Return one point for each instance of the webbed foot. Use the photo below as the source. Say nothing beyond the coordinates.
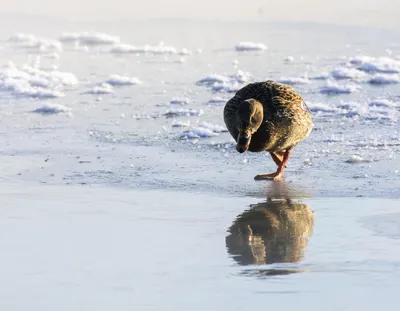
(272, 176)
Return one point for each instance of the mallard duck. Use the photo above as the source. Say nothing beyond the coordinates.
(268, 116)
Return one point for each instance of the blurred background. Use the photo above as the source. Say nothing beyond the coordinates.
(366, 12)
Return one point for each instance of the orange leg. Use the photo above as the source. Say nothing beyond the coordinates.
(279, 171)
(277, 157)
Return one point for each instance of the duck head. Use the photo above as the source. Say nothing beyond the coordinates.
(249, 115)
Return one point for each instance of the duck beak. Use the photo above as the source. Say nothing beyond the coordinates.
(243, 141)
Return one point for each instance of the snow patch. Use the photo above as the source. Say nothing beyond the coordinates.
(347, 73)
(34, 82)
(294, 80)
(321, 108)
(333, 88)
(30, 41)
(177, 123)
(102, 89)
(179, 101)
(382, 103)
(376, 64)
(181, 112)
(117, 80)
(289, 59)
(87, 38)
(202, 130)
(51, 109)
(147, 49)
(250, 46)
(355, 159)
(211, 79)
(227, 87)
(380, 79)
(225, 83)
(217, 100)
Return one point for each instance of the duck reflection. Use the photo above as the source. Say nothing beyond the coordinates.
(274, 231)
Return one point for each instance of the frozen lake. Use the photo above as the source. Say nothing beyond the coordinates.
(120, 187)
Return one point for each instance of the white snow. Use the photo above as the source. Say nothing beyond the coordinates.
(118, 80)
(355, 159)
(51, 109)
(289, 59)
(217, 100)
(34, 82)
(384, 79)
(376, 64)
(347, 73)
(177, 123)
(250, 46)
(321, 107)
(224, 82)
(211, 79)
(179, 101)
(333, 88)
(382, 103)
(88, 38)
(147, 49)
(226, 87)
(181, 112)
(202, 130)
(319, 76)
(30, 41)
(294, 80)
(241, 76)
(103, 88)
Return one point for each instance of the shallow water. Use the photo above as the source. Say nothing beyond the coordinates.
(90, 247)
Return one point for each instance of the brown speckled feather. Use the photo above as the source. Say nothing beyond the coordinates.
(287, 119)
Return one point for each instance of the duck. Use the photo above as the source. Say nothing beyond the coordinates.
(268, 116)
